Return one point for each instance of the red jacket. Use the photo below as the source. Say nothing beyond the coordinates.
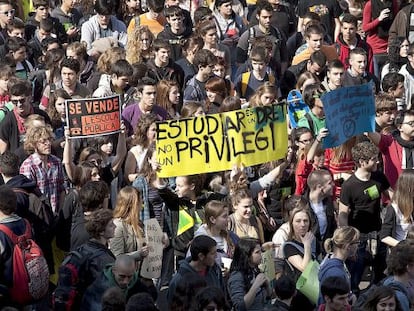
(378, 45)
(392, 154)
(343, 51)
(322, 308)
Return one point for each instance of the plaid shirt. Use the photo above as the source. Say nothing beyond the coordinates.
(49, 180)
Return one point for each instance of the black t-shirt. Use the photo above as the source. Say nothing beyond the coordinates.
(328, 10)
(364, 201)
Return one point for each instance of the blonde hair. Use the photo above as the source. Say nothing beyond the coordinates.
(127, 208)
(133, 48)
(267, 87)
(343, 151)
(341, 237)
(34, 135)
(403, 194)
(108, 58)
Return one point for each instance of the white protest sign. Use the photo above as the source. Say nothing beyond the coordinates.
(151, 265)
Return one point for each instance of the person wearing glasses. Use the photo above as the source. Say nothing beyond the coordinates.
(103, 25)
(397, 149)
(12, 128)
(360, 207)
(43, 167)
(7, 14)
(343, 245)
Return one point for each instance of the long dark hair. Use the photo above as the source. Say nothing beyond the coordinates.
(396, 61)
(377, 294)
(241, 259)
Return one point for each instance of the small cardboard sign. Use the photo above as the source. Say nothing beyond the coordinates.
(151, 265)
(90, 117)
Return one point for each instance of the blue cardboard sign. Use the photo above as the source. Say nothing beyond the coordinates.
(349, 111)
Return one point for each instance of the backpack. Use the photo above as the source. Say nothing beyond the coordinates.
(245, 81)
(30, 270)
(283, 266)
(39, 206)
(76, 273)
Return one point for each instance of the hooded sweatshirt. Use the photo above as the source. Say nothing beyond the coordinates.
(213, 277)
(22, 182)
(332, 267)
(175, 41)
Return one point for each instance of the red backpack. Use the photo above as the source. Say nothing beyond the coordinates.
(30, 270)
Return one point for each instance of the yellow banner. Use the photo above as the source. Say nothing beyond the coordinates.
(215, 142)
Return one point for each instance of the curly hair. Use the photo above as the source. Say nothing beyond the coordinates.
(108, 58)
(34, 135)
(134, 52)
(54, 115)
(97, 221)
(396, 61)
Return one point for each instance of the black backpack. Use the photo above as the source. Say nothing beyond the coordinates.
(75, 275)
(41, 213)
(283, 266)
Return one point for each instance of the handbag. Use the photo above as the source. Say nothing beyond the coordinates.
(308, 282)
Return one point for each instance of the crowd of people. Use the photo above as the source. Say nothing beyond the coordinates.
(72, 211)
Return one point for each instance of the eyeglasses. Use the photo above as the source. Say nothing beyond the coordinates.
(18, 101)
(9, 12)
(356, 242)
(410, 123)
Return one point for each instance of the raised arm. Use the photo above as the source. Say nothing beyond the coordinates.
(121, 150)
(67, 156)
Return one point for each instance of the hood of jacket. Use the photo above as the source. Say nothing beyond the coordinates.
(172, 36)
(342, 43)
(328, 265)
(22, 182)
(111, 279)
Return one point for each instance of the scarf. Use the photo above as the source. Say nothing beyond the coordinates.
(20, 121)
(376, 7)
(408, 151)
(410, 69)
(142, 185)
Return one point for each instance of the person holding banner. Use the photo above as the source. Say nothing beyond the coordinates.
(343, 245)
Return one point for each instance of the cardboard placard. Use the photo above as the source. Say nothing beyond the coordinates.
(90, 117)
(151, 265)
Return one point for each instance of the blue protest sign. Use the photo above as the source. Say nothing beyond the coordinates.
(349, 111)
